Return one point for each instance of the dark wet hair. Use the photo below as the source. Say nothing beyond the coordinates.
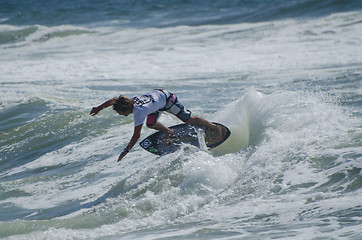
(123, 104)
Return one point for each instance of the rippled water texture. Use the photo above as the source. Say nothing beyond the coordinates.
(284, 76)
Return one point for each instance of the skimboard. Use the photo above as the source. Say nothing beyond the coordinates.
(183, 134)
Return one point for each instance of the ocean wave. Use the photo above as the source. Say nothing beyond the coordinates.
(32, 129)
(289, 91)
(13, 36)
(293, 149)
(158, 13)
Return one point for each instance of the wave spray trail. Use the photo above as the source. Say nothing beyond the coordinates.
(244, 119)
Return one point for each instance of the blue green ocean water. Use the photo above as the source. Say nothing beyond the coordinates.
(284, 76)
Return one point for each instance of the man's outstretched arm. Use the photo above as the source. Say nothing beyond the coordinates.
(96, 110)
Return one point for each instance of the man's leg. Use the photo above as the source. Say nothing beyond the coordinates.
(185, 115)
(199, 121)
(167, 131)
(160, 127)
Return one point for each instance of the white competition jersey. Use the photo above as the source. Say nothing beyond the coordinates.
(147, 104)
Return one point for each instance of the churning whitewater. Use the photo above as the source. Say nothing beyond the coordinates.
(285, 77)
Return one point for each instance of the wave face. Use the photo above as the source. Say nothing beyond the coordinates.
(284, 76)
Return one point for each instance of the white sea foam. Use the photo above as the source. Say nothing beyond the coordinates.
(286, 170)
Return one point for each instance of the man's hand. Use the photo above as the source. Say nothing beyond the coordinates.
(122, 155)
(94, 111)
